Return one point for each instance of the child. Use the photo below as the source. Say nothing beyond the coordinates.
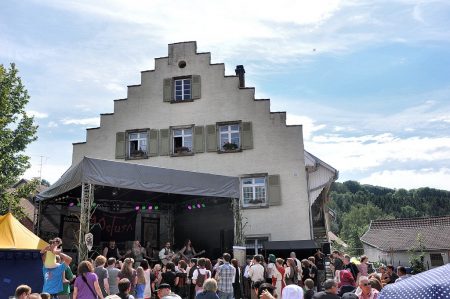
(48, 253)
(140, 286)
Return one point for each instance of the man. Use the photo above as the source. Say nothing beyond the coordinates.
(68, 275)
(164, 291)
(102, 274)
(392, 276)
(309, 288)
(293, 256)
(401, 272)
(330, 292)
(53, 277)
(192, 268)
(365, 290)
(22, 292)
(225, 277)
(256, 273)
(337, 262)
(111, 251)
(113, 272)
(320, 264)
(348, 265)
(166, 254)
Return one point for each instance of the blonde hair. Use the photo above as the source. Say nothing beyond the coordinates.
(210, 285)
(140, 275)
(100, 260)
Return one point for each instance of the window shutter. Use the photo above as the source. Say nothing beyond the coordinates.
(152, 143)
(199, 141)
(167, 90)
(247, 135)
(211, 138)
(164, 142)
(120, 145)
(196, 87)
(274, 190)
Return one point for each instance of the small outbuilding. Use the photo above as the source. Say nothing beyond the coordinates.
(390, 241)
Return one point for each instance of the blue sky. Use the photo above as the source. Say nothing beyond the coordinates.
(369, 80)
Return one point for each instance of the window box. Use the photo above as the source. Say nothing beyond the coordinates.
(230, 147)
(182, 150)
(138, 154)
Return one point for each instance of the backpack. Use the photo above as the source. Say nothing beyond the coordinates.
(201, 278)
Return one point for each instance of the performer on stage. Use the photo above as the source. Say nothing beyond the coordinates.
(166, 254)
(111, 251)
(188, 252)
(137, 252)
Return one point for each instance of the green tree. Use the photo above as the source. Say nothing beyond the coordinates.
(417, 255)
(10, 201)
(17, 130)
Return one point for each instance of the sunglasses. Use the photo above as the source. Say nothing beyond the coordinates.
(366, 284)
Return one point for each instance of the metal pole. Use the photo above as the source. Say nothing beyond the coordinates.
(87, 198)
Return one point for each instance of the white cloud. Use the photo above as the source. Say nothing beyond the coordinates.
(410, 179)
(37, 114)
(92, 121)
(308, 124)
(52, 124)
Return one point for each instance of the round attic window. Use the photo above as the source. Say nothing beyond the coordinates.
(182, 64)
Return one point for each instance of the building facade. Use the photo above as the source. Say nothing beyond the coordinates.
(188, 115)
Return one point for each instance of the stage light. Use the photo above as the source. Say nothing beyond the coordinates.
(203, 205)
(156, 207)
(189, 208)
(79, 204)
(71, 204)
(150, 207)
(137, 208)
(144, 207)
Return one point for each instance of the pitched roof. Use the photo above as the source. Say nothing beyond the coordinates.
(401, 234)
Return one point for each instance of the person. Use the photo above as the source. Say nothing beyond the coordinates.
(22, 292)
(49, 253)
(264, 290)
(278, 277)
(137, 252)
(209, 290)
(291, 275)
(309, 287)
(188, 251)
(181, 272)
(129, 273)
(200, 275)
(149, 279)
(337, 262)
(111, 251)
(192, 267)
(113, 272)
(124, 286)
(35, 296)
(86, 284)
(292, 292)
(140, 283)
(346, 282)
(320, 264)
(225, 277)
(392, 276)
(365, 290)
(164, 291)
(305, 270)
(349, 265)
(330, 291)
(401, 273)
(246, 279)
(376, 284)
(166, 254)
(270, 267)
(45, 295)
(256, 273)
(169, 275)
(237, 283)
(293, 256)
(102, 274)
(313, 271)
(383, 275)
(53, 277)
(363, 267)
(67, 280)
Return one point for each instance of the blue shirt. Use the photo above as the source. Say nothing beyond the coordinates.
(53, 279)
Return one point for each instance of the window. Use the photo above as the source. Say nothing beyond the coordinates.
(137, 144)
(229, 137)
(436, 259)
(254, 191)
(182, 141)
(255, 245)
(182, 89)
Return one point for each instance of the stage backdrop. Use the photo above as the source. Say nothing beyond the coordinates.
(105, 226)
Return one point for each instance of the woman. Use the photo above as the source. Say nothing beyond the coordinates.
(148, 279)
(363, 267)
(346, 282)
(129, 273)
(270, 268)
(187, 252)
(200, 275)
(169, 276)
(291, 275)
(140, 283)
(237, 290)
(305, 270)
(278, 277)
(182, 286)
(86, 284)
(137, 252)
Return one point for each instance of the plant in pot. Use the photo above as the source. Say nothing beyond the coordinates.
(229, 146)
(182, 150)
(138, 153)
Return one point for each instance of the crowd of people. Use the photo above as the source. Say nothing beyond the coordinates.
(186, 277)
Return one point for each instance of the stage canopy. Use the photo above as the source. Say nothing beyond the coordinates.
(142, 177)
(14, 235)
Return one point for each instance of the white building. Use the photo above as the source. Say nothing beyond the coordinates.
(186, 114)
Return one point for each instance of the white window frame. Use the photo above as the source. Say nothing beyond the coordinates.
(142, 135)
(254, 185)
(228, 134)
(258, 243)
(185, 96)
(183, 135)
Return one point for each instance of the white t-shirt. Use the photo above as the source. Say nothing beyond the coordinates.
(256, 273)
(202, 272)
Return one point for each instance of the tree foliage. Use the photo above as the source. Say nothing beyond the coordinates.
(10, 200)
(17, 130)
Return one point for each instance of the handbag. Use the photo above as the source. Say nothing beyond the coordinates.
(86, 282)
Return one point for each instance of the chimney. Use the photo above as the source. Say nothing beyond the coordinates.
(240, 72)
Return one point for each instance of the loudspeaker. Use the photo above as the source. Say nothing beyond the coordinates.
(326, 248)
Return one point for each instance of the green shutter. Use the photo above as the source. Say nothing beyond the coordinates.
(247, 135)
(196, 87)
(152, 143)
(120, 145)
(274, 190)
(164, 142)
(199, 140)
(167, 90)
(211, 138)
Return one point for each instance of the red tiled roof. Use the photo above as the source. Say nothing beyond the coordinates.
(401, 234)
